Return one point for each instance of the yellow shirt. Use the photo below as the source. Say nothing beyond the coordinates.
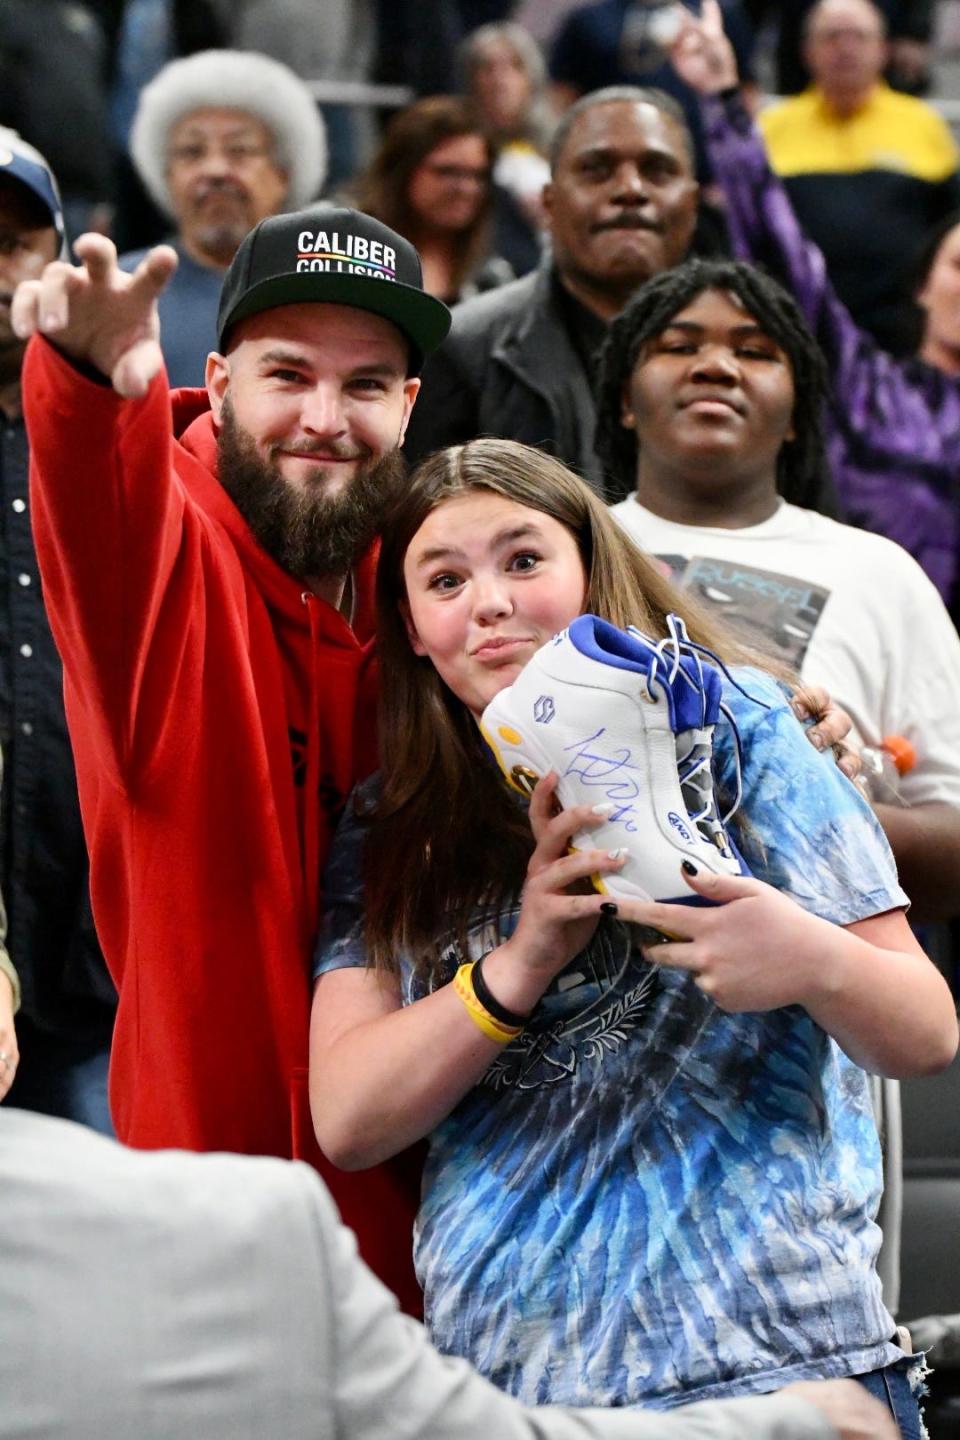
(805, 135)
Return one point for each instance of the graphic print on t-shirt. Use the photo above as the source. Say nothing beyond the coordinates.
(588, 1011)
(776, 614)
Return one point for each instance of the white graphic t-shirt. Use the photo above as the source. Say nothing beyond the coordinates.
(847, 609)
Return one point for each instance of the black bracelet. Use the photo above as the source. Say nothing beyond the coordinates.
(492, 1006)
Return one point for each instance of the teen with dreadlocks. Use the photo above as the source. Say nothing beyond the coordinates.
(710, 399)
(661, 1187)
(709, 403)
(799, 464)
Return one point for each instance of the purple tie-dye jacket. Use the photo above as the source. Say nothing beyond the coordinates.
(893, 426)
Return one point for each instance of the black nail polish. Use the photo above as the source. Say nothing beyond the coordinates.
(609, 908)
(689, 867)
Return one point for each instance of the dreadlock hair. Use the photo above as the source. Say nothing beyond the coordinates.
(801, 462)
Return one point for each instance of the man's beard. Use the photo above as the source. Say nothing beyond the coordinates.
(309, 533)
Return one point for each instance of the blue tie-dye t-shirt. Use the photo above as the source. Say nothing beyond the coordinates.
(646, 1200)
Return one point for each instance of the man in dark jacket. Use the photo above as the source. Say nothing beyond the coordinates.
(66, 1018)
(622, 205)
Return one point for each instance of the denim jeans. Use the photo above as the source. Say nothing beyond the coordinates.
(62, 1077)
(892, 1385)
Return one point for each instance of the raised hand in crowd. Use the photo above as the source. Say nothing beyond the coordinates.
(98, 315)
(702, 54)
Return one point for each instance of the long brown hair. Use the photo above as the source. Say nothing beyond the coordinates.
(383, 191)
(447, 837)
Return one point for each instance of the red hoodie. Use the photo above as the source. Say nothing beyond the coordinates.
(219, 717)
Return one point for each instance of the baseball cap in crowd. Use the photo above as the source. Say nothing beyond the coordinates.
(329, 253)
(20, 161)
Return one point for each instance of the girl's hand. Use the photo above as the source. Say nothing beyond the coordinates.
(8, 1037)
(559, 910)
(702, 55)
(754, 950)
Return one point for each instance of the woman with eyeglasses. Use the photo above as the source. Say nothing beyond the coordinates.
(431, 181)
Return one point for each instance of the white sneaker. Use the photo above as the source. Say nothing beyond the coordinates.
(628, 721)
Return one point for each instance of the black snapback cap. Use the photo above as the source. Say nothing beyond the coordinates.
(329, 253)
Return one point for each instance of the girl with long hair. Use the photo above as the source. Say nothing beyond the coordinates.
(651, 1174)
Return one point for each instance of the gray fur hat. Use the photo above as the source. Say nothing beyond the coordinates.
(235, 80)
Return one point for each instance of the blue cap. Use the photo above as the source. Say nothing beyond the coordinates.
(22, 162)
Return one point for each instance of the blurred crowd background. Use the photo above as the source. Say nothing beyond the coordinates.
(72, 71)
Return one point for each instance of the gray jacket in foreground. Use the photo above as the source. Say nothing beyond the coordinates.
(509, 368)
(161, 1295)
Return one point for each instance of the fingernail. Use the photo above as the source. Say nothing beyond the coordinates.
(800, 710)
(604, 809)
(816, 740)
(689, 867)
(849, 769)
(620, 853)
(608, 908)
(50, 322)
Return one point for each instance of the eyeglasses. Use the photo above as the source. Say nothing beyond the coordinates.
(845, 32)
(236, 152)
(464, 174)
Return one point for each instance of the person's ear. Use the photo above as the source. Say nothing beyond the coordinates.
(693, 213)
(217, 378)
(627, 418)
(416, 644)
(546, 200)
(411, 389)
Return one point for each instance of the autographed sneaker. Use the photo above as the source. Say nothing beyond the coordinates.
(628, 721)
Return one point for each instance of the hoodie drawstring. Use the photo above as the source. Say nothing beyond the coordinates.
(311, 807)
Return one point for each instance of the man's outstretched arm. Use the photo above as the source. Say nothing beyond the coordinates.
(106, 509)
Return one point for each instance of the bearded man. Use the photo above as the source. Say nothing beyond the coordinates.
(210, 591)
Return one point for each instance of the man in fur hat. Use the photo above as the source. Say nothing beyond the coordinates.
(221, 140)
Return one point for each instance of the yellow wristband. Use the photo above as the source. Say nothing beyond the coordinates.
(481, 1017)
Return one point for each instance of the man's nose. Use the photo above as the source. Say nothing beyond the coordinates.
(631, 184)
(215, 161)
(322, 411)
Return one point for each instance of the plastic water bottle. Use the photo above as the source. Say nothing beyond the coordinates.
(884, 766)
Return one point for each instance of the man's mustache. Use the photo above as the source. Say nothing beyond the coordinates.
(220, 187)
(325, 450)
